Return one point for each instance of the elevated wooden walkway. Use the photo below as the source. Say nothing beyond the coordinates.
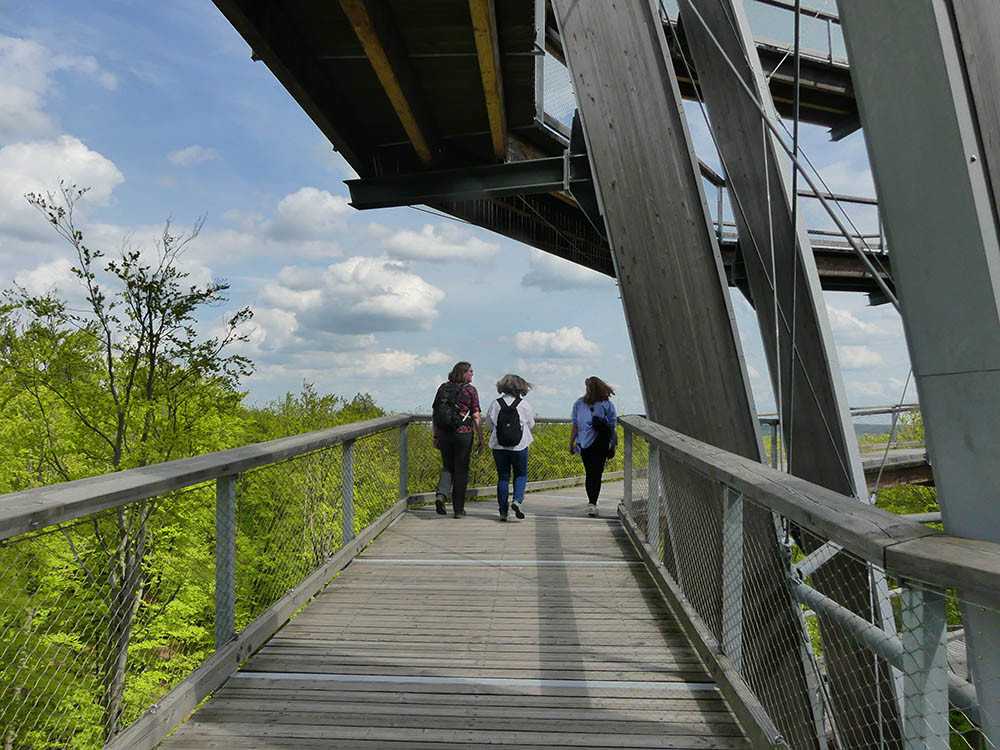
(541, 633)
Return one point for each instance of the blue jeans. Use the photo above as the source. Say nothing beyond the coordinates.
(506, 461)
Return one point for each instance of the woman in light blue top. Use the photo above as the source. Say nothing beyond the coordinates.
(593, 434)
(511, 419)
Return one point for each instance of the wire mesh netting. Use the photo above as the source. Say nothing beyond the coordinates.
(548, 457)
(839, 654)
(891, 654)
(102, 616)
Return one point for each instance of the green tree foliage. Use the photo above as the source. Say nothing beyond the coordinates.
(103, 615)
(126, 381)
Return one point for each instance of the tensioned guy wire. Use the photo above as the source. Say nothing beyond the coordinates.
(798, 165)
(756, 247)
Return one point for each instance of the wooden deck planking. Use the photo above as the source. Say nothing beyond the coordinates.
(448, 633)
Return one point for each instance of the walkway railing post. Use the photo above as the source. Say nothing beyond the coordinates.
(732, 576)
(347, 493)
(404, 460)
(653, 504)
(627, 490)
(225, 560)
(925, 669)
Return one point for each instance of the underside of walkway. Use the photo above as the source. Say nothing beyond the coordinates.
(540, 633)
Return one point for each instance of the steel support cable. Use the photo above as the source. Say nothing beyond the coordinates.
(892, 431)
(771, 281)
(733, 25)
(858, 233)
(826, 697)
(798, 10)
(798, 165)
(774, 297)
(795, 228)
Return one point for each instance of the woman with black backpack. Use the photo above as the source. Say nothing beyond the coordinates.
(455, 413)
(511, 419)
(593, 434)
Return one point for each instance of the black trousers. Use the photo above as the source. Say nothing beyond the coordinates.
(456, 450)
(594, 457)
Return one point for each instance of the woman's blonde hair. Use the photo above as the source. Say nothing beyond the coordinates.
(597, 390)
(513, 385)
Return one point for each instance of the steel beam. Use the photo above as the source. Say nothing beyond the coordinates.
(926, 73)
(375, 29)
(494, 181)
(484, 26)
(680, 320)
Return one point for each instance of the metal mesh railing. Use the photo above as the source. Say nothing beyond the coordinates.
(549, 457)
(877, 429)
(837, 652)
(102, 615)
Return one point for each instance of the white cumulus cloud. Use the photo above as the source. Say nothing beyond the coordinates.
(53, 276)
(439, 243)
(359, 295)
(309, 213)
(37, 167)
(562, 342)
(847, 324)
(26, 73)
(859, 357)
(551, 273)
(864, 389)
(188, 157)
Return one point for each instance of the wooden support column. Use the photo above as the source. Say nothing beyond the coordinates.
(484, 24)
(373, 24)
(926, 74)
(791, 313)
(679, 316)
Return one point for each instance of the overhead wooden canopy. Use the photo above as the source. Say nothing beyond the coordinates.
(398, 85)
(402, 87)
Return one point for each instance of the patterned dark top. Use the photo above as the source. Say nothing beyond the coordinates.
(468, 403)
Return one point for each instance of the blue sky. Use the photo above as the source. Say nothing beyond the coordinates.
(160, 111)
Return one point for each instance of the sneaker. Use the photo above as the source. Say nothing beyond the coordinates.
(459, 514)
(517, 510)
(439, 504)
(503, 516)
(592, 509)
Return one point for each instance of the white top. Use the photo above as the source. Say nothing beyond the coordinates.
(524, 412)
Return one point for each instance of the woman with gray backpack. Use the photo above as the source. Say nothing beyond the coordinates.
(511, 419)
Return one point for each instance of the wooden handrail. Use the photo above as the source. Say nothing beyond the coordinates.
(37, 508)
(898, 544)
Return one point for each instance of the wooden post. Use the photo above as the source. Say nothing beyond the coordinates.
(627, 491)
(656, 492)
(732, 576)
(404, 460)
(225, 560)
(347, 493)
(925, 669)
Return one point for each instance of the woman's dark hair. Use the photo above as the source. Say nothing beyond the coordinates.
(457, 374)
(597, 390)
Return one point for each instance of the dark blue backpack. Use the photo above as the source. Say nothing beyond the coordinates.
(509, 430)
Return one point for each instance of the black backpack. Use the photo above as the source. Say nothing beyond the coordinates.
(445, 411)
(509, 430)
(603, 432)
